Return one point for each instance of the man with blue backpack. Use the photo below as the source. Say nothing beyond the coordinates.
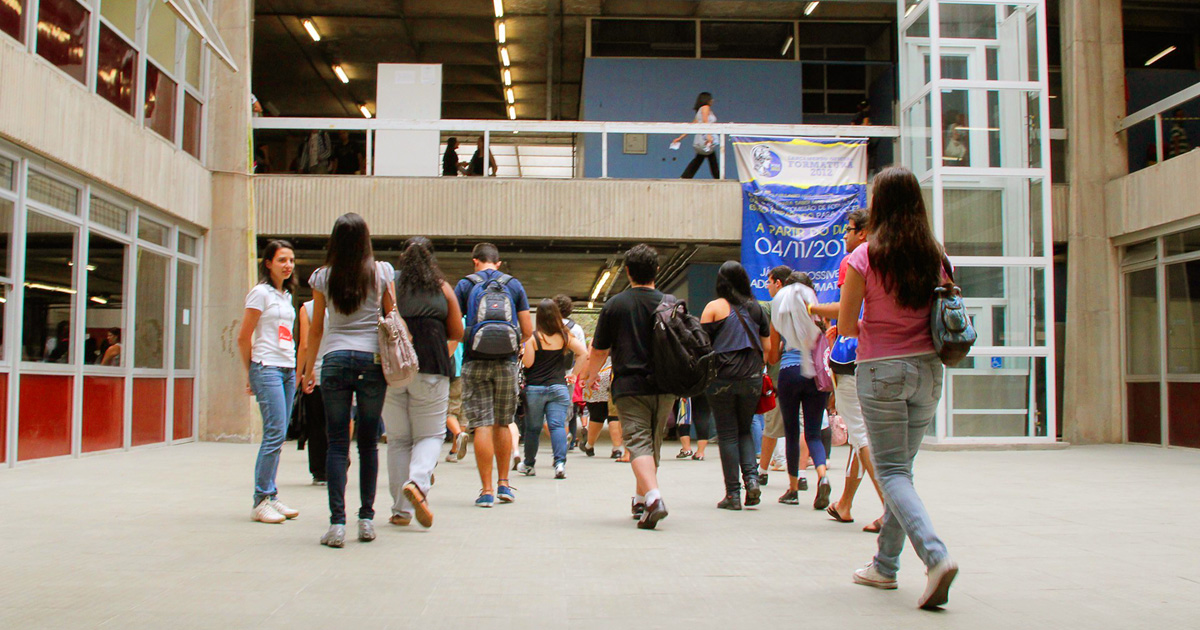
(497, 323)
(842, 355)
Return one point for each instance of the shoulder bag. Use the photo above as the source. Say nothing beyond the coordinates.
(953, 333)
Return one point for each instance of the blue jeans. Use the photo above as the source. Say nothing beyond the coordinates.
(346, 376)
(756, 431)
(275, 390)
(552, 403)
(899, 398)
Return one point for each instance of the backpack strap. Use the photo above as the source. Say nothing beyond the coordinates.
(947, 268)
(504, 279)
(475, 278)
(753, 337)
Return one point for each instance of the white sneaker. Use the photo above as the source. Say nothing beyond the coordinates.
(265, 513)
(560, 471)
(870, 576)
(286, 511)
(451, 458)
(460, 445)
(937, 589)
(528, 471)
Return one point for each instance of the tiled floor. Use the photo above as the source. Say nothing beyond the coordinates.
(1099, 537)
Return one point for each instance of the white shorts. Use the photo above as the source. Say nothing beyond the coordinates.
(851, 412)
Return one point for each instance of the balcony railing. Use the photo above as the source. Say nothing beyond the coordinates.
(1170, 143)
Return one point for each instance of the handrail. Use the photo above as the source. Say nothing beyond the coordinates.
(1156, 110)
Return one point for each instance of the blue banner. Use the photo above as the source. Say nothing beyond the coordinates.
(796, 194)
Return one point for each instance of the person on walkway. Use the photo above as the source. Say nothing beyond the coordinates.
(269, 354)
(702, 427)
(354, 287)
(625, 329)
(458, 435)
(498, 322)
(475, 168)
(846, 394)
(547, 357)
(793, 335)
(773, 419)
(312, 404)
(451, 167)
(704, 144)
(740, 332)
(890, 281)
(414, 415)
(566, 307)
(599, 409)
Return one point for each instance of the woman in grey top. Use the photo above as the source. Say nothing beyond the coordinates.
(355, 287)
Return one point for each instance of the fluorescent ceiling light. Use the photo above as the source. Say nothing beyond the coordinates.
(499, 6)
(600, 285)
(909, 9)
(312, 30)
(1160, 55)
(504, 55)
(341, 74)
(501, 35)
(49, 287)
(512, 112)
(786, 46)
(365, 112)
(99, 300)
(507, 77)
(511, 99)
(812, 6)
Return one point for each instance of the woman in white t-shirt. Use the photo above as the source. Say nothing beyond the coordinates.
(353, 286)
(269, 354)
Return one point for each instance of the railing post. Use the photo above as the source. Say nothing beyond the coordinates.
(1158, 136)
(604, 154)
(370, 152)
(721, 139)
(487, 152)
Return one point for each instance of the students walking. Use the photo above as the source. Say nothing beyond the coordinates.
(355, 287)
(599, 409)
(498, 322)
(547, 356)
(740, 331)
(269, 354)
(891, 280)
(624, 329)
(415, 414)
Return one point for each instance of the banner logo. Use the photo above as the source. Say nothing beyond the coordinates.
(766, 161)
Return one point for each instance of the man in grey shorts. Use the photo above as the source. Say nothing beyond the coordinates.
(625, 329)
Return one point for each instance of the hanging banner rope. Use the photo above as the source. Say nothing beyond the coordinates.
(796, 194)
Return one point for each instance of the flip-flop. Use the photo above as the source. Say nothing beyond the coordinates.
(874, 527)
(833, 513)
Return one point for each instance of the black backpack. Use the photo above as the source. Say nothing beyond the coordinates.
(681, 352)
(494, 336)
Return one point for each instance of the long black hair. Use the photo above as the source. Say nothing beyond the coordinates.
(264, 274)
(704, 98)
(733, 283)
(419, 271)
(902, 248)
(351, 263)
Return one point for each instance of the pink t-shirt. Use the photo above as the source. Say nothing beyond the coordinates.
(887, 330)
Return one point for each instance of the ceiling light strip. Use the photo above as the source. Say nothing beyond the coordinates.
(505, 61)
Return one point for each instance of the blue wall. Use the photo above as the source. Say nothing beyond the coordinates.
(1146, 87)
(663, 90)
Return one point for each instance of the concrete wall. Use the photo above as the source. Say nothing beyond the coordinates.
(1154, 197)
(54, 115)
(698, 211)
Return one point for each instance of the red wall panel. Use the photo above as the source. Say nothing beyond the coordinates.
(44, 416)
(3, 417)
(1183, 414)
(183, 408)
(1143, 413)
(149, 410)
(103, 413)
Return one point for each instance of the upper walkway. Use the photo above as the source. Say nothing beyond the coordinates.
(162, 538)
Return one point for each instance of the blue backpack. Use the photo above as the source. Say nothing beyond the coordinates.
(842, 355)
(493, 333)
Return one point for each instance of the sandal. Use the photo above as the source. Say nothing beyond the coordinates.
(683, 454)
(698, 457)
(833, 513)
(874, 527)
(414, 495)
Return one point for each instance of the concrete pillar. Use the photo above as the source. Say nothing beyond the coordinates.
(227, 413)
(1094, 86)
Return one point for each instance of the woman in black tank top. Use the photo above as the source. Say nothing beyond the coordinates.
(547, 356)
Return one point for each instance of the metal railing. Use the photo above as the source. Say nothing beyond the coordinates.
(489, 127)
(1155, 112)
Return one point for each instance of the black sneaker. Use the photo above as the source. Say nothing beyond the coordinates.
(638, 509)
(732, 501)
(589, 451)
(753, 492)
(803, 484)
(654, 513)
(791, 497)
(823, 490)
(616, 454)
(762, 479)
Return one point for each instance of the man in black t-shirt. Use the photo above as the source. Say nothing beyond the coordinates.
(625, 329)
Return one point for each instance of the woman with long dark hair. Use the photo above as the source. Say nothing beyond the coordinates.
(269, 354)
(891, 278)
(355, 287)
(415, 414)
(549, 352)
(704, 144)
(740, 332)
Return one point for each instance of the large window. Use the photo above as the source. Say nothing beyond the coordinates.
(12, 16)
(62, 36)
(105, 305)
(116, 71)
(49, 289)
(150, 316)
(159, 109)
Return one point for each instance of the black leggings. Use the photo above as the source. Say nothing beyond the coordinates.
(702, 419)
(694, 166)
(733, 403)
(796, 391)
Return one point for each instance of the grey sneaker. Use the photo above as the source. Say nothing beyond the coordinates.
(366, 530)
(335, 537)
